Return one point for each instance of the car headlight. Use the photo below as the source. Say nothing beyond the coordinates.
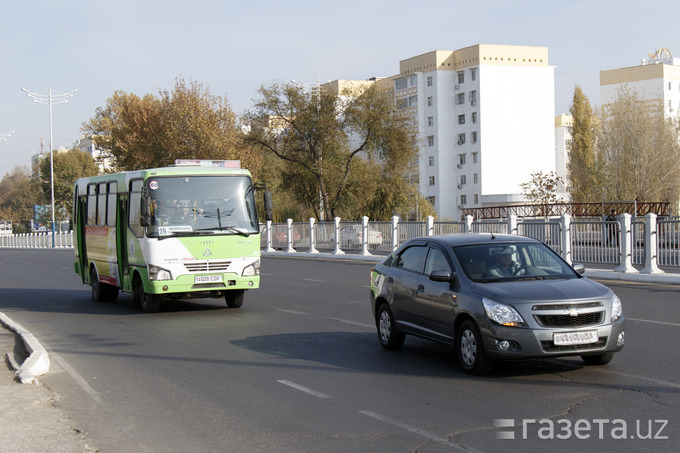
(251, 270)
(158, 273)
(502, 314)
(617, 308)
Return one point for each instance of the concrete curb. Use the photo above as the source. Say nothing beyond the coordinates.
(38, 362)
(604, 274)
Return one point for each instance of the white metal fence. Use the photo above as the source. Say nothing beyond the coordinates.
(645, 242)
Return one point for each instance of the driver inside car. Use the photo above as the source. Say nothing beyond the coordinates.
(505, 266)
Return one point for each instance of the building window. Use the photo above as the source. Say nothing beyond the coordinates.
(413, 101)
(402, 104)
(430, 121)
(473, 97)
(429, 81)
(430, 140)
(461, 139)
(429, 101)
(474, 137)
(474, 156)
(461, 159)
(473, 74)
(475, 178)
(461, 77)
(431, 180)
(401, 84)
(431, 200)
(474, 117)
(460, 98)
(413, 81)
(463, 199)
(476, 199)
(463, 179)
(430, 161)
(461, 119)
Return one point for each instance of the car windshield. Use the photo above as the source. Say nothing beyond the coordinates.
(487, 263)
(193, 205)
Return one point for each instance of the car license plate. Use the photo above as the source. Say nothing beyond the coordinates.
(569, 338)
(208, 278)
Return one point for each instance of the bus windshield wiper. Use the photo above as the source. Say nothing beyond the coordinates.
(225, 228)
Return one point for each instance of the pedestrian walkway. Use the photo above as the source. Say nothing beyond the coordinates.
(30, 420)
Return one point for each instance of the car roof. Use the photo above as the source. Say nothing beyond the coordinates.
(449, 240)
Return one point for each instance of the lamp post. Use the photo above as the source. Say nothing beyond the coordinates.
(50, 100)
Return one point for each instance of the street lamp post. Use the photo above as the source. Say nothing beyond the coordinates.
(50, 100)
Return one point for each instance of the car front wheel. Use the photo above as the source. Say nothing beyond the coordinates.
(388, 335)
(600, 359)
(470, 349)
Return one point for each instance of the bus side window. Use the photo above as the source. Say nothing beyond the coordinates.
(133, 210)
(92, 204)
(111, 204)
(101, 205)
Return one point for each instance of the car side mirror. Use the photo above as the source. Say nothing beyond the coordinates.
(442, 276)
(578, 267)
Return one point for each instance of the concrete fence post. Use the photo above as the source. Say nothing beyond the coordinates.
(336, 236)
(289, 236)
(364, 238)
(626, 258)
(395, 232)
(312, 236)
(651, 246)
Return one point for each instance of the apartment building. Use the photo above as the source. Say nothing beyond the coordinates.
(485, 116)
(656, 80)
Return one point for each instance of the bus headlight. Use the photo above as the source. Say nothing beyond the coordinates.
(251, 270)
(158, 273)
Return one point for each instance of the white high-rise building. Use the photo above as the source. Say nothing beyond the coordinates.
(485, 116)
(655, 80)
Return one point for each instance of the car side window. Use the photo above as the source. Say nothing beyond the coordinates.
(410, 259)
(436, 261)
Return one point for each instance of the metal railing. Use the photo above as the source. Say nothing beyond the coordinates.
(644, 241)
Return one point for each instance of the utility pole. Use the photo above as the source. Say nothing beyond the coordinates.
(50, 100)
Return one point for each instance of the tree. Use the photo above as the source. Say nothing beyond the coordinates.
(584, 167)
(186, 123)
(542, 188)
(640, 149)
(67, 168)
(337, 148)
(19, 193)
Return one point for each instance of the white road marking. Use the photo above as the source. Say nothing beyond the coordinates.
(655, 322)
(302, 388)
(293, 312)
(352, 323)
(414, 430)
(314, 280)
(643, 378)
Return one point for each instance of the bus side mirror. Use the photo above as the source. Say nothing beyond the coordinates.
(144, 213)
(268, 206)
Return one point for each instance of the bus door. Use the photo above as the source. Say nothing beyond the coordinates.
(121, 242)
(81, 219)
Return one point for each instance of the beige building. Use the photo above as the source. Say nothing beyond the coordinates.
(656, 80)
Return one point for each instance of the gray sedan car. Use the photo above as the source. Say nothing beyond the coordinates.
(494, 297)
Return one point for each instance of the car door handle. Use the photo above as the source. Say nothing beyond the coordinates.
(421, 289)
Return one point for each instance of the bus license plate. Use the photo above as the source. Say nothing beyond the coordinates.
(569, 338)
(208, 278)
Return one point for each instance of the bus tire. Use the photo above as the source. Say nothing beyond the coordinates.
(96, 285)
(149, 302)
(234, 298)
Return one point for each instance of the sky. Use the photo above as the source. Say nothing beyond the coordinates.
(234, 48)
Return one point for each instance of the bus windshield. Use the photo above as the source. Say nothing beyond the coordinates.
(188, 205)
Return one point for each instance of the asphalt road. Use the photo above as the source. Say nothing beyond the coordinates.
(299, 368)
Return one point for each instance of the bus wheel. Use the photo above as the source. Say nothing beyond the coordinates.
(234, 298)
(149, 302)
(102, 292)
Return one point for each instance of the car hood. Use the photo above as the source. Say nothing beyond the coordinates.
(518, 292)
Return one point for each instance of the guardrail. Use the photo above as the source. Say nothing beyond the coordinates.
(623, 243)
(644, 242)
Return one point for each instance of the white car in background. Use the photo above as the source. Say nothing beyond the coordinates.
(351, 236)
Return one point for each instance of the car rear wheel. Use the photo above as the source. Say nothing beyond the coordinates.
(388, 335)
(470, 349)
(600, 359)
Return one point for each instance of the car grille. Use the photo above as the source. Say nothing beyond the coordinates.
(567, 320)
(549, 346)
(207, 266)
